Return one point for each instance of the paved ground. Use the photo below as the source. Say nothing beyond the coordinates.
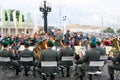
(21, 77)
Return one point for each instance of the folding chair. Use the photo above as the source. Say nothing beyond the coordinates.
(4, 59)
(66, 60)
(7, 69)
(93, 65)
(48, 65)
(27, 63)
(102, 57)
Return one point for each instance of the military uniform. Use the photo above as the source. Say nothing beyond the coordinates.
(91, 55)
(48, 55)
(6, 53)
(115, 66)
(67, 51)
(101, 50)
(27, 53)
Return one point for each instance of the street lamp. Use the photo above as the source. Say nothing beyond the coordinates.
(64, 27)
(45, 9)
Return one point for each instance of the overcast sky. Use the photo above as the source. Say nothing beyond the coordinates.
(90, 12)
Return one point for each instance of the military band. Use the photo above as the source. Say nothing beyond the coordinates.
(64, 45)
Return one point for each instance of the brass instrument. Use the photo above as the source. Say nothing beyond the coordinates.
(114, 41)
(40, 46)
(60, 43)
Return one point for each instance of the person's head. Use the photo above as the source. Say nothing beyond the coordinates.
(75, 34)
(5, 44)
(26, 45)
(66, 43)
(93, 45)
(11, 42)
(50, 43)
(98, 43)
(68, 31)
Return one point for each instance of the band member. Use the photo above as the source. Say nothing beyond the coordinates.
(115, 66)
(66, 51)
(48, 55)
(91, 55)
(101, 49)
(6, 53)
(27, 53)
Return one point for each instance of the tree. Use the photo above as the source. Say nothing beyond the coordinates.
(118, 30)
(108, 30)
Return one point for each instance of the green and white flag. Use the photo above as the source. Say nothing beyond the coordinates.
(8, 16)
(14, 18)
(3, 17)
(0, 16)
(20, 20)
(28, 19)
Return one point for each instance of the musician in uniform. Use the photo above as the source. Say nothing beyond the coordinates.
(48, 55)
(66, 51)
(27, 53)
(7, 53)
(91, 55)
(58, 41)
(115, 66)
(101, 49)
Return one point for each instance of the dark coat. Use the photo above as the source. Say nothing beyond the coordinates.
(67, 51)
(48, 55)
(26, 53)
(91, 55)
(101, 50)
(7, 53)
(115, 59)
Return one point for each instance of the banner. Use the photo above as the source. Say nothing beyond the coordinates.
(14, 18)
(20, 20)
(28, 19)
(3, 17)
(0, 16)
(8, 17)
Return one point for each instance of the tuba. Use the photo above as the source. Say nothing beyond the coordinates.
(39, 46)
(60, 43)
(115, 43)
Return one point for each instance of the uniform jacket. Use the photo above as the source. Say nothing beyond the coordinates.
(48, 55)
(67, 51)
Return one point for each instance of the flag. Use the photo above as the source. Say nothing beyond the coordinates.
(35, 23)
(14, 18)
(20, 20)
(0, 17)
(8, 17)
(28, 19)
(3, 17)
